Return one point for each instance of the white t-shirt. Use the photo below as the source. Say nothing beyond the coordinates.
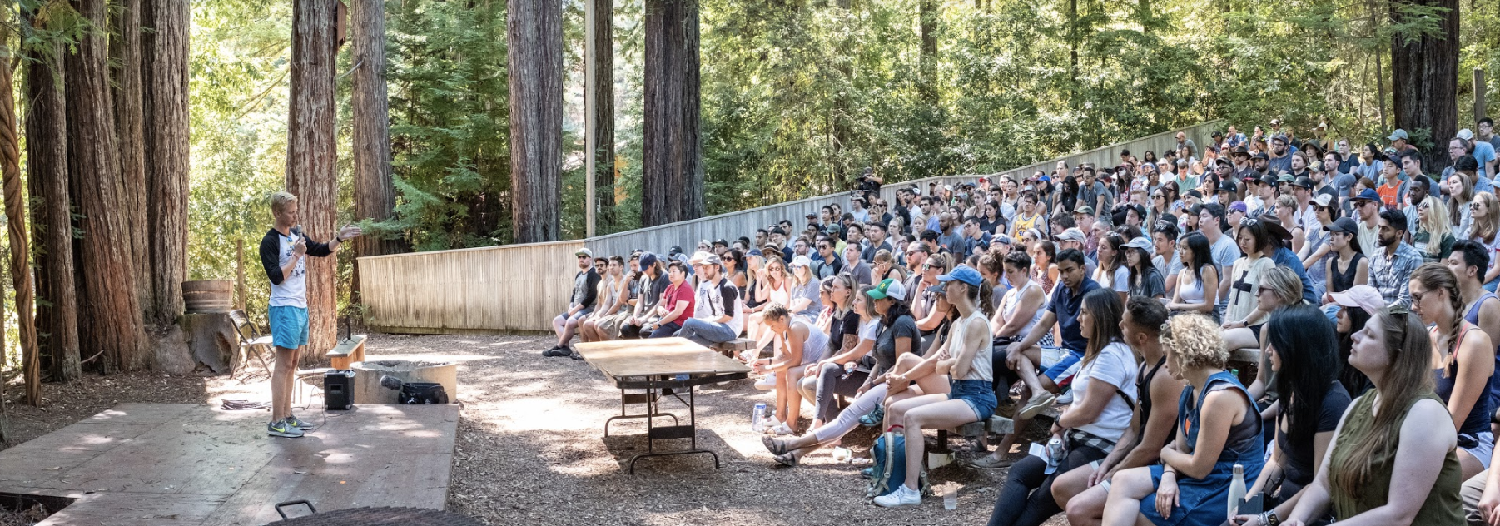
(293, 288)
(1115, 367)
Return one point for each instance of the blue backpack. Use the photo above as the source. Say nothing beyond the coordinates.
(890, 466)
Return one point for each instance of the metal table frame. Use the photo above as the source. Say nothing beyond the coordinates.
(656, 387)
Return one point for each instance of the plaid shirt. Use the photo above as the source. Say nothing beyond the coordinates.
(1390, 274)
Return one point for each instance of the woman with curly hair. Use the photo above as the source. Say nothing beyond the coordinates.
(1217, 428)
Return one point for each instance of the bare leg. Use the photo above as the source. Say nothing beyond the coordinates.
(282, 383)
(568, 331)
(1087, 508)
(794, 397)
(935, 413)
(782, 408)
(1240, 339)
(1123, 507)
(1070, 484)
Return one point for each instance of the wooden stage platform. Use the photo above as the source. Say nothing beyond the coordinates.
(156, 464)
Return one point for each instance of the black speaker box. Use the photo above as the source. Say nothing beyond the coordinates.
(338, 390)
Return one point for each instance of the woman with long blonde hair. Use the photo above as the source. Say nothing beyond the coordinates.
(1434, 236)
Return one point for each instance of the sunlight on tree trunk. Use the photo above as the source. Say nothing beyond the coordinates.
(536, 117)
(168, 151)
(672, 174)
(310, 172)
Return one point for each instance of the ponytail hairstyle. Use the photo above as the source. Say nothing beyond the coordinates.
(1437, 277)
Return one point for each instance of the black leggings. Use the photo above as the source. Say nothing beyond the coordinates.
(1004, 377)
(1026, 498)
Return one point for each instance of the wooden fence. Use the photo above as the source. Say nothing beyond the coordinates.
(518, 288)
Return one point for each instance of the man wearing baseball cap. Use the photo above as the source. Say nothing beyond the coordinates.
(1367, 209)
(1073, 238)
(1401, 142)
(585, 291)
(654, 283)
(718, 313)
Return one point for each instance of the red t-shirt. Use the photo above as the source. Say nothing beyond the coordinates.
(676, 293)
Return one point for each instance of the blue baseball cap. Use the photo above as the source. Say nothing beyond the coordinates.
(647, 259)
(965, 274)
(1367, 195)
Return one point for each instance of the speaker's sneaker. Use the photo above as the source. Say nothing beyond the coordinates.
(283, 430)
(299, 423)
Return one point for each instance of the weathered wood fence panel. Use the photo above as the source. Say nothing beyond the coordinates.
(521, 287)
(489, 289)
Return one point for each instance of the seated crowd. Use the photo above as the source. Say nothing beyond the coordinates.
(1318, 321)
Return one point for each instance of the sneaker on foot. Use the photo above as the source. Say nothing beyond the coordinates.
(555, 352)
(299, 423)
(781, 430)
(991, 462)
(283, 430)
(574, 355)
(766, 383)
(903, 496)
(874, 418)
(1037, 404)
(1065, 398)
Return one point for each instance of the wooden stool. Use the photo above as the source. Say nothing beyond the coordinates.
(347, 352)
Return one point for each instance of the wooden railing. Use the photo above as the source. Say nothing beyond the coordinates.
(519, 288)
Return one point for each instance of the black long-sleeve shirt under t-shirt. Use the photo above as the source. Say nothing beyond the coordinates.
(275, 251)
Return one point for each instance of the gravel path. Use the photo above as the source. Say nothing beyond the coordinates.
(531, 447)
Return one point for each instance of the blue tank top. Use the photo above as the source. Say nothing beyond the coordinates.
(1472, 316)
(1478, 419)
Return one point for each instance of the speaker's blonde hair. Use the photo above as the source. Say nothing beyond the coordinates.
(280, 199)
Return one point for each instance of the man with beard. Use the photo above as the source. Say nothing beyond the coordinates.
(1392, 265)
(1280, 159)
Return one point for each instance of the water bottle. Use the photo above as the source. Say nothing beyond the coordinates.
(757, 418)
(1237, 490)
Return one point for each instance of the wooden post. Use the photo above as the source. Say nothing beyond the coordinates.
(239, 279)
(1479, 89)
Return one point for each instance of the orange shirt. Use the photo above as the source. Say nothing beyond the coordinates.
(1390, 195)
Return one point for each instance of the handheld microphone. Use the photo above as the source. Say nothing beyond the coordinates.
(297, 231)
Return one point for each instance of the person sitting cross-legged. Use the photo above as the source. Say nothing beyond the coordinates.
(718, 314)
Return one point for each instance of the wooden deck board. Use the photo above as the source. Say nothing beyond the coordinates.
(187, 464)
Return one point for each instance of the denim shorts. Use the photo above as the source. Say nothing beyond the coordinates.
(288, 326)
(978, 394)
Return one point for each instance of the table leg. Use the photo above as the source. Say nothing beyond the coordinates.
(689, 431)
(627, 399)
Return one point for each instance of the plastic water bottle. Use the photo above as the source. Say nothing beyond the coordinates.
(1236, 490)
(757, 418)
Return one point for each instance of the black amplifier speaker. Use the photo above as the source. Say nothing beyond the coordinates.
(338, 390)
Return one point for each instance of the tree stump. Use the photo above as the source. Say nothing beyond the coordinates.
(212, 342)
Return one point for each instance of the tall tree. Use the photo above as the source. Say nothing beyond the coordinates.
(1424, 72)
(536, 112)
(125, 63)
(672, 147)
(108, 300)
(374, 195)
(927, 22)
(167, 148)
(51, 210)
(15, 229)
(310, 173)
(603, 108)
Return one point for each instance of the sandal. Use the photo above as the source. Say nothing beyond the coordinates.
(775, 445)
(787, 459)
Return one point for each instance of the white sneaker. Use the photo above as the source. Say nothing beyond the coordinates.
(766, 383)
(780, 430)
(1065, 398)
(903, 496)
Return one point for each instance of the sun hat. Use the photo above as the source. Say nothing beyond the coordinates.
(1362, 296)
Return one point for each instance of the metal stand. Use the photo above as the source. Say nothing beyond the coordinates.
(654, 387)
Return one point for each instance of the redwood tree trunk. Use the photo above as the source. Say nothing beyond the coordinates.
(166, 140)
(374, 195)
(310, 172)
(51, 220)
(672, 171)
(110, 301)
(536, 113)
(15, 229)
(927, 24)
(1424, 79)
(125, 55)
(604, 110)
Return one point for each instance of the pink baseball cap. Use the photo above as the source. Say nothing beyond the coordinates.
(1362, 296)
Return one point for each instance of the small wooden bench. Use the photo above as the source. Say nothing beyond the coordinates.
(733, 348)
(343, 355)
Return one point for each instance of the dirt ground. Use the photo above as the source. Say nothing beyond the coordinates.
(531, 447)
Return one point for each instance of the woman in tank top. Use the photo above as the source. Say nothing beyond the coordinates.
(1217, 427)
(800, 343)
(1198, 281)
(1462, 361)
(1397, 431)
(1347, 264)
(969, 398)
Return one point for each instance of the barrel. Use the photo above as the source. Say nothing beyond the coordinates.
(208, 296)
